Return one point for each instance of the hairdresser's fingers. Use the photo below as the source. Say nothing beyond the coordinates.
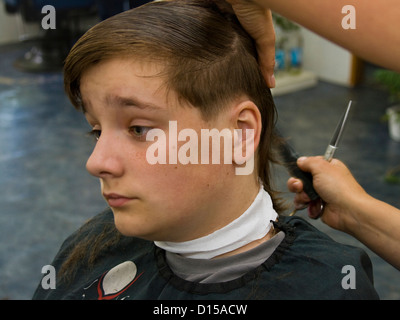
(295, 185)
(315, 209)
(259, 24)
(266, 52)
(301, 199)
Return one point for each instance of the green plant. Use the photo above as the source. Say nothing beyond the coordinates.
(284, 23)
(393, 175)
(391, 81)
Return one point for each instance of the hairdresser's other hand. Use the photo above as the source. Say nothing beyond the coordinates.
(336, 186)
(257, 21)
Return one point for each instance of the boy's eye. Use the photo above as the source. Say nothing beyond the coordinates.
(95, 133)
(139, 131)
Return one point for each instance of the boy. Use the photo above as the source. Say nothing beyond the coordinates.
(189, 227)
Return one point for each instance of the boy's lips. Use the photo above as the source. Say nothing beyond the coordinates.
(116, 200)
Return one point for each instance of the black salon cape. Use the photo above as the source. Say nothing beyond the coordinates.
(306, 265)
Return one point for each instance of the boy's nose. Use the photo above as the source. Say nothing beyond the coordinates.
(105, 160)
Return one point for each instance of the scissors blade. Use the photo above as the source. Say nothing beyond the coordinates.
(340, 127)
(337, 134)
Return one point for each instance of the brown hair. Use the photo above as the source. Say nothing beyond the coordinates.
(209, 60)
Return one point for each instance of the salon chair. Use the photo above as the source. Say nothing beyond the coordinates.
(50, 50)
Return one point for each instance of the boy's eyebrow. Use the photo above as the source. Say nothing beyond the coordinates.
(115, 100)
(119, 101)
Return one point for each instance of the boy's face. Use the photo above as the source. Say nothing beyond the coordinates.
(124, 99)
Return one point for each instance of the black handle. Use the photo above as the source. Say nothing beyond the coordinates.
(290, 161)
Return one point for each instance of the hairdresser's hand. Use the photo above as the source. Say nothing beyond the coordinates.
(258, 23)
(337, 188)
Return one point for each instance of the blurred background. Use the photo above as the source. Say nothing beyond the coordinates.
(46, 193)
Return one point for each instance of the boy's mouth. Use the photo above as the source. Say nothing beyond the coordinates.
(116, 200)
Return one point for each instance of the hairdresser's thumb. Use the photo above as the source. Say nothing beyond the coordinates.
(311, 164)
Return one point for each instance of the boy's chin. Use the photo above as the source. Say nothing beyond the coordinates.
(132, 227)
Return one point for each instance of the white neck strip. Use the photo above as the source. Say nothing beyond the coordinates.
(252, 225)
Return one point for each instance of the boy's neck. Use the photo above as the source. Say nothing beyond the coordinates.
(248, 190)
(243, 231)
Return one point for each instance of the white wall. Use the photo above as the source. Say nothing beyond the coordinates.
(326, 60)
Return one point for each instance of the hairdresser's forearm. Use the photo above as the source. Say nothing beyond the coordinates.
(378, 227)
(376, 37)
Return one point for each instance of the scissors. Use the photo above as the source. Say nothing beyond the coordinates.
(290, 157)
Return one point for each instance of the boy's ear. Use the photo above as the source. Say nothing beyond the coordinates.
(247, 125)
(246, 115)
